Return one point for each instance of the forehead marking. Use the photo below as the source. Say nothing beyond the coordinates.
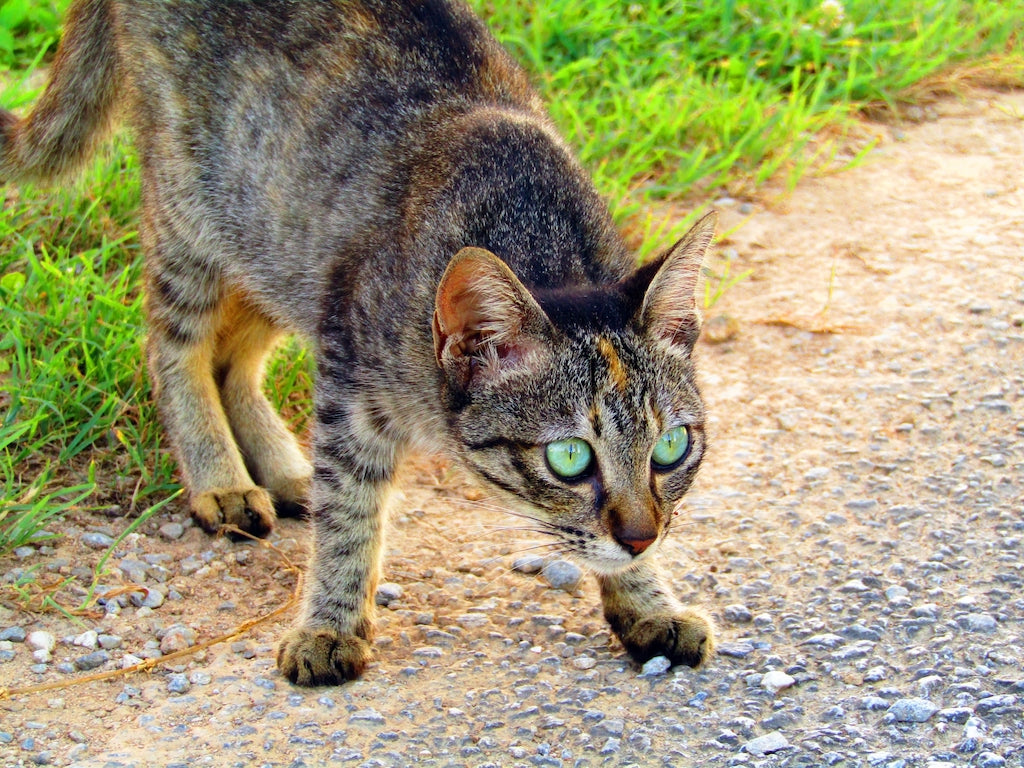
(616, 370)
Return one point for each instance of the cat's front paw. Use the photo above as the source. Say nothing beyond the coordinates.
(684, 638)
(322, 656)
(250, 509)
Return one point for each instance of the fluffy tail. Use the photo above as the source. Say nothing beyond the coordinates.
(76, 111)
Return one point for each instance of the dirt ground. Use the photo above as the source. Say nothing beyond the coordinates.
(871, 366)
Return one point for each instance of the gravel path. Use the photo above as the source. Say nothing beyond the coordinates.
(857, 531)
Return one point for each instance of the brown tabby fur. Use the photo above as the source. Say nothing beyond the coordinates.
(380, 177)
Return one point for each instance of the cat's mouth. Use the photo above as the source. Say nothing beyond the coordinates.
(607, 557)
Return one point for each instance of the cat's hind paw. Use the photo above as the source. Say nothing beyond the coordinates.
(322, 656)
(250, 509)
(684, 638)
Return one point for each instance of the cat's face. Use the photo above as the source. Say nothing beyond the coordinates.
(579, 407)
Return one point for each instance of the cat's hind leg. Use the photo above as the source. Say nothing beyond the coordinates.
(269, 449)
(650, 621)
(185, 304)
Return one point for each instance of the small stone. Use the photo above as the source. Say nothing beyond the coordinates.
(130, 660)
(387, 592)
(24, 552)
(911, 710)
(825, 640)
(41, 656)
(978, 622)
(561, 574)
(178, 683)
(88, 639)
(897, 594)
(172, 531)
(737, 614)
(737, 650)
(853, 586)
(198, 677)
(658, 665)
(776, 681)
(584, 662)
(95, 540)
(91, 660)
(41, 641)
(177, 638)
(368, 716)
(767, 744)
(14, 634)
(109, 642)
(989, 760)
(815, 474)
(995, 459)
(528, 564)
(613, 726)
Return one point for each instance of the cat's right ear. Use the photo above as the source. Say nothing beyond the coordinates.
(669, 311)
(485, 320)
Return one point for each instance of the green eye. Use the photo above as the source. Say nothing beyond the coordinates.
(671, 447)
(569, 458)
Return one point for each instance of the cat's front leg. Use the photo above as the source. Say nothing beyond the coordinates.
(351, 481)
(650, 621)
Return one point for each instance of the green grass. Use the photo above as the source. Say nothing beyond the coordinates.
(666, 102)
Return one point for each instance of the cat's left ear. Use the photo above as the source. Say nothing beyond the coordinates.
(669, 311)
(485, 320)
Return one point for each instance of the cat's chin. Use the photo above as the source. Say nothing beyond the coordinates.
(611, 563)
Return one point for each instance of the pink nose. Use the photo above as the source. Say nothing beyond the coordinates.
(635, 546)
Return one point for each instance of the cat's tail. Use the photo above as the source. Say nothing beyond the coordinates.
(76, 111)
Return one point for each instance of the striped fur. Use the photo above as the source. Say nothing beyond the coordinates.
(379, 176)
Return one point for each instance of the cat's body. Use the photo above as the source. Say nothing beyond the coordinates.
(349, 170)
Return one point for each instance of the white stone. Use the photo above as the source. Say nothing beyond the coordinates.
(776, 681)
(764, 745)
(41, 641)
(88, 639)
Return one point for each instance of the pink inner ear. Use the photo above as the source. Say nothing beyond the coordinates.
(482, 311)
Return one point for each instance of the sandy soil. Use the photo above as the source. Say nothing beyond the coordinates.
(866, 433)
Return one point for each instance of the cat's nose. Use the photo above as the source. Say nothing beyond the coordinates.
(634, 545)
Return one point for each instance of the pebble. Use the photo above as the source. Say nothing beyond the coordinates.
(776, 681)
(178, 683)
(177, 638)
(387, 592)
(91, 660)
(88, 639)
(978, 622)
(14, 634)
(584, 662)
(95, 540)
(41, 641)
(528, 564)
(737, 614)
(172, 531)
(658, 665)
(562, 574)
(911, 710)
(767, 744)
(368, 716)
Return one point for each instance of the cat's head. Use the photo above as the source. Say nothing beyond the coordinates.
(578, 404)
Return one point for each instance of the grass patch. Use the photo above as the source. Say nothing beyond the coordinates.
(665, 101)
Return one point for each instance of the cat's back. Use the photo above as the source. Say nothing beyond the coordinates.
(288, 126)
(393, 55)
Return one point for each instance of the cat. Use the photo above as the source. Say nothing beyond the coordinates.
(380, 177)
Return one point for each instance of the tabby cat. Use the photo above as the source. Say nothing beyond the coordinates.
(378, 176)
